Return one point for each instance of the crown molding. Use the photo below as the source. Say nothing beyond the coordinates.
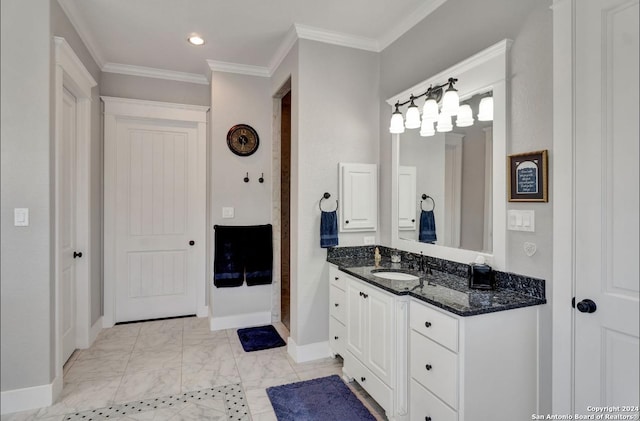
(285, 46)
(70, 63)
(69, 8)
(336, 38)
(409, 22)
(242, 69)
(131, 70)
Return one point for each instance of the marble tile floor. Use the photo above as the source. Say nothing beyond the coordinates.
(177, 369)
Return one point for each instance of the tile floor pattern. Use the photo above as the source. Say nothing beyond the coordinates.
(199, 374)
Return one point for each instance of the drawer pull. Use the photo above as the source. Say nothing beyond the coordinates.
(427, 324)
(428, 367)
(363, 379)
(337, 278)
(335, 337)
(336, 304)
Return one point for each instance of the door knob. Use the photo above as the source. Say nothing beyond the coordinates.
(587, 306)
(77, 255)
(191, 243)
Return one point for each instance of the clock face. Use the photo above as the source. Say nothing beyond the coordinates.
(243, 140)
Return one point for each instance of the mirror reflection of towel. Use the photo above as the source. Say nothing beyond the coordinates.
(427, 227)
(328, 229)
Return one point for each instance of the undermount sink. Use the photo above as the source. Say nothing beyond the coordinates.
(396, 276)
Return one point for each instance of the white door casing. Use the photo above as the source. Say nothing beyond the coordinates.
(155, 205)
(71, 76)
(596, 205)
(67, 197)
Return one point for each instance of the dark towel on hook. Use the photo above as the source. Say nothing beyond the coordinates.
(228, 265)
(328, 229)
(427, 227)
(258, 255)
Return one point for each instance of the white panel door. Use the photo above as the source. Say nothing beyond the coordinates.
(358, 197)
(407, 193)
(356, 322)
(159, 213)
(379, 307)
(67, 228)
(606, 204)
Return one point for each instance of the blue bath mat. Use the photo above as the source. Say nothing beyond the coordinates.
(259, 338)
(324, 399)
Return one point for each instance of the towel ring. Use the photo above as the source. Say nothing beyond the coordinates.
(433, 202)
(325, 196)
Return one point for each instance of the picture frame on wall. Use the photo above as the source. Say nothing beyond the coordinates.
(528, 177)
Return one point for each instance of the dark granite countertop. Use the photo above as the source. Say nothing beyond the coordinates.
(447, 291)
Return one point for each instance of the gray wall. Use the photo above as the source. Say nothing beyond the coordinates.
(240, 99)
(150, 89)
(478, 25)
(338, 112)
(26, 252)
(62, 27)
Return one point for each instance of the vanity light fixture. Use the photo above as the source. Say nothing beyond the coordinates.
(195, 39)
(485, 112)
(465, 116)
(413, 116)
(397, 122)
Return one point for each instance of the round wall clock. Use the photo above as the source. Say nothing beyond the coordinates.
(243, 140)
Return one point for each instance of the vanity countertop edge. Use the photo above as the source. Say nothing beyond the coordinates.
(440, 289)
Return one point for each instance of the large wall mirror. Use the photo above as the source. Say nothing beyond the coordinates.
(455, 181)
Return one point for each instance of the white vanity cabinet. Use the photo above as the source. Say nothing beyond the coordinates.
(473, 368)
(358, 190)
(337, 311)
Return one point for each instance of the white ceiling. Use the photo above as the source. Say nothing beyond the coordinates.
(148, 37)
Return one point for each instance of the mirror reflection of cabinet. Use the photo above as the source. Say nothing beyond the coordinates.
(407, 198)
(358, 197)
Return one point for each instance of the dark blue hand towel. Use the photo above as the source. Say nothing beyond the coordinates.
(228, 261)
(427, 227)
(258, 249)
(328, 229)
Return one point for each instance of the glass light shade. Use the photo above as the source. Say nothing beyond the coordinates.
(397, 123)
(195, 40)
(444, 123)
(413, 117)
(485, 112)
(450, 102)
(465, 116)
(430, 110)
(426, 129)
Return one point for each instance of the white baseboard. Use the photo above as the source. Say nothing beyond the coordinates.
(240, 320)
(95, 331)
(310, 352)
(30, 397)
(202, 311)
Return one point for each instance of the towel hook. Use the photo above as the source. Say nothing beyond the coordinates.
(433, 202)
(326, 196)
(246, 178)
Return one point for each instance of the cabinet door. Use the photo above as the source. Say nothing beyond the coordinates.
(407, 198)
(355, 320)
(358, 197)
(378, 307)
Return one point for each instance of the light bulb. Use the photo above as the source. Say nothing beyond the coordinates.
(195, 40)
(397, 122)
(444, 123)
(485, 112)
(465, 116)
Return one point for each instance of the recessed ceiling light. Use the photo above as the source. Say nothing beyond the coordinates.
(195, 40)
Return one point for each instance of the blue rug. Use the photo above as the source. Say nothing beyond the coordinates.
(324, 399)
(259, 338)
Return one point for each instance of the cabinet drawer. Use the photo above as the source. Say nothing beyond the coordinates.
(337, 304)
(369, 381)
(337, 278)
(435, 325)
(337, 336)
(435, 367)
(425, 405)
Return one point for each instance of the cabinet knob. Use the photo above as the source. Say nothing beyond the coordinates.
(191, 243)
(362, 379)
(336, 304)
(427, 418)
(335, 337)
(428, 367)
(365, 295)
(413, 220)
(427, 324)
(337, 278)
(346, 222)
(77, 255)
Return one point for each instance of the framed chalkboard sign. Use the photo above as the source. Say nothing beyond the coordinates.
(528, 177)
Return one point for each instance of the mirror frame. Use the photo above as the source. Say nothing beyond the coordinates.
(482, 72)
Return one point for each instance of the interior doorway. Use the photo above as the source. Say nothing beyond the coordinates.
(285, 209)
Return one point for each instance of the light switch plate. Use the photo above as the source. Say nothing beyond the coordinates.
(21, 217)
(521, 220)
(228, 213)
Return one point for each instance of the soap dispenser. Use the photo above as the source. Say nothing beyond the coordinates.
(481, 275)
(377, 257)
